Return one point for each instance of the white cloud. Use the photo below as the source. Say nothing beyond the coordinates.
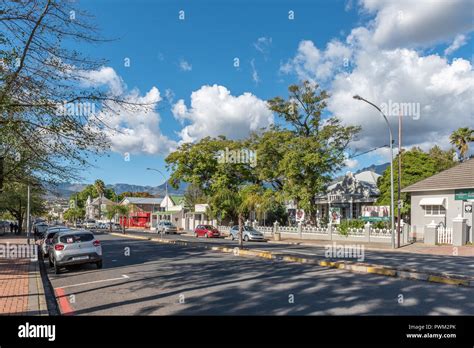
(382, 72)
(351, 163)
(133, 129)
(406, 23)
(442, 90)
(459, 40)
(312, 64)
(185, 66)
(104, 76)
(169, 95)
(214, 111)
(263, 45)
(255, 76)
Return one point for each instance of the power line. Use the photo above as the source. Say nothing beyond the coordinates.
(363, 153)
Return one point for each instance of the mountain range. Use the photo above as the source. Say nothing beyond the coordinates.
(65, 190)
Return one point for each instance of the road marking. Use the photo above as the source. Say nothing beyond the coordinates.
(64, 305)
(124, 276)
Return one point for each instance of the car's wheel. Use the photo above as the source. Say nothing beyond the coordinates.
(99, 264)
(232, 237)
(50, 262)
(196, 235)
(56, 267)
(206, 235)
(246, 238)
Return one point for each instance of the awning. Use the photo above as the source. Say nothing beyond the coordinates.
(432, 201)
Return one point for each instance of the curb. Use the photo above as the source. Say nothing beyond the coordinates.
(36, 297)
(355, 267)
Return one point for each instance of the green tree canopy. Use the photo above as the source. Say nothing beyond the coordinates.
(416, 165)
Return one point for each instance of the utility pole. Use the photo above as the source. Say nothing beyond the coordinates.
(28, 216)
(399, 215)
(392, 215)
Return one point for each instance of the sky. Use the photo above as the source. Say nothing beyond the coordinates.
(211, 65)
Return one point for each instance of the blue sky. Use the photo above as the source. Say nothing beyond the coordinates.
(182, 56)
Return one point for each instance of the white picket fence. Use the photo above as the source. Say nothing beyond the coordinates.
(445, 235)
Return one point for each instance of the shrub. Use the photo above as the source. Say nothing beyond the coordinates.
(345, 225)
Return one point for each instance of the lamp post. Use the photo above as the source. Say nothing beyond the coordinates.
(28, 215)
(392, 217)
(166, 189)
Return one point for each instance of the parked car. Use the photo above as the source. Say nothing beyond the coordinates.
(90, 224)
(47, 239)
(102, 225)
(39, 229)
(248, 233)
(166, 227)
(74, 247)
(206, 231)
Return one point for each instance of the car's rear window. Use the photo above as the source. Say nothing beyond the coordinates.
(76, 238)
(209, 227)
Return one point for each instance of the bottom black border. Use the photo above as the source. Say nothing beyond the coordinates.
(224, 330)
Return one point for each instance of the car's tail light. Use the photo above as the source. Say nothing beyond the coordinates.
(96, 243)
(58, 247)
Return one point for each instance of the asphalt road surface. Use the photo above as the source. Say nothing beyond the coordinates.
(148, 278)
(428, 263)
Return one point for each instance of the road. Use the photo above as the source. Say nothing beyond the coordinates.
(427, 263)
(148, 278)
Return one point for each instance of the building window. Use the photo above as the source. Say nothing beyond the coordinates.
(435, 210)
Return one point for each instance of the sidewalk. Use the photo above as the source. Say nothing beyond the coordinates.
(416, 248)
(21, 287)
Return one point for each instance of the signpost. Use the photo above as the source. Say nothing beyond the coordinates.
(463, 194)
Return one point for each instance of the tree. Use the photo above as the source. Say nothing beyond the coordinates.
(110, 213)
(134, 194)
(461, 139)
(73, 214)
(93, 191)
(305, 155)
(193, 195)
(14, 201)
(199, 165)
(416, 165)
(51, 110)
(123, 211)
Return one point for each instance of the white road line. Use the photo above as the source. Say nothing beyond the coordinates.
(124, 276)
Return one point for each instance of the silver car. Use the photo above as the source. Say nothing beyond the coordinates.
(166, 227)
(248, 234)
(73, 248)
(47, 239)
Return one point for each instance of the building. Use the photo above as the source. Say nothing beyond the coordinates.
(443, 197)
(348, 196)
(172, 209)
(141, 210)
(96, 208)
(57, 208)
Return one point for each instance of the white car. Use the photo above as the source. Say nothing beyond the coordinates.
(90, 224)
(166, 227)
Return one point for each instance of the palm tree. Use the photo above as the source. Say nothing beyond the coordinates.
(110, 213)
(123, 211)
(461, 139)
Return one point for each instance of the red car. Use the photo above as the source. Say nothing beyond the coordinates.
(207, 231)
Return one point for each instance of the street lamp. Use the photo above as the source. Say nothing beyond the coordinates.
(166, 189)
(357, 97)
